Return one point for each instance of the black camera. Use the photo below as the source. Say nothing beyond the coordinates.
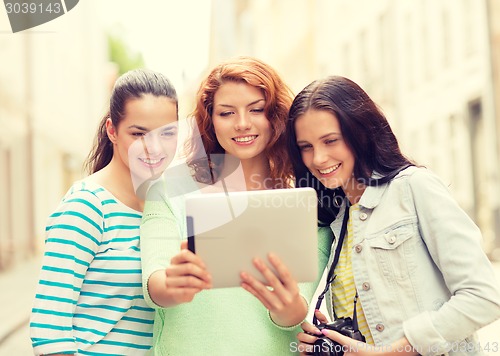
(326, 346)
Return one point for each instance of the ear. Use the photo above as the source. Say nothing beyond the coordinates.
(110, 130)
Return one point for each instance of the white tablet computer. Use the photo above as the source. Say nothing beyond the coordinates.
(227, 230)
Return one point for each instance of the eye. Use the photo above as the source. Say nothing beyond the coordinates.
(331, 141)
(257, 110)
(306, 147)
(226, 113)
(138, 134)
(168, 133)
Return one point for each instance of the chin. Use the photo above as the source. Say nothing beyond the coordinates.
(329, 183)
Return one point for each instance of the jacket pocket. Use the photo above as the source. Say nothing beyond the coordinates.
(394, 250)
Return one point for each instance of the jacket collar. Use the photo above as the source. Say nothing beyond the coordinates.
(372, 195)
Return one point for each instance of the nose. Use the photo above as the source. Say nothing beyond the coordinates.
(243, 122)
(151, 144)
(320, 156)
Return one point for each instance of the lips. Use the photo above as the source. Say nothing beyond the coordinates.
(329, 170)
(245, 139)
(152, 162)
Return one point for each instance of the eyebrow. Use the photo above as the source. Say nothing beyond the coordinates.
(250, 104)
(322, 137)
(165, 128)
(138, 127)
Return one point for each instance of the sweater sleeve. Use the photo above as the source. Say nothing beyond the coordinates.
(325, 240)
(73, 236)
(160, 235)
(454, 242)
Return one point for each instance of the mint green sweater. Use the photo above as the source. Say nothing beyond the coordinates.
(227, 321)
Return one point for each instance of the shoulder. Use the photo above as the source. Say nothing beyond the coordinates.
(419, 178)
(86, 193)
(157, 190)
(80, 210)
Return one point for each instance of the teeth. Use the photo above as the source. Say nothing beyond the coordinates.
(245, 139)
(329, 170)
(150, 161)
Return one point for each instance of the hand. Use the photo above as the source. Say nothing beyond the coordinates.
(282, 299)
(179, 282)
(310, 334)
(353, 347)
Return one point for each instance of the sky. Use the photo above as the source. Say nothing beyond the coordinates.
(172, 35)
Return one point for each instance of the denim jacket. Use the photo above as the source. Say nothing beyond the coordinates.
(419, 267)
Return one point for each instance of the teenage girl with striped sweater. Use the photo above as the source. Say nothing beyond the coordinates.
(89, 297)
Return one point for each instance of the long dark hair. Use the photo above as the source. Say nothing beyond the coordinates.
(365, 131)
(278, 100)
(132, 84)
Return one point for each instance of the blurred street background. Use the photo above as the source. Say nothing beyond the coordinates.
(433, 66)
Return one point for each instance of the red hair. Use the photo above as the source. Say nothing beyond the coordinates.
(278, 98)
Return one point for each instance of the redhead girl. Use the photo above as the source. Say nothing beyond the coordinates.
(241, 112)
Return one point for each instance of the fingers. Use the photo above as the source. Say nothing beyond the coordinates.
(186, 281)
(310, 329)
(185, 256)
(280, 290)
(346, 341)
(188, 269)
(285, 277)
(186, 276)
(282, 283)
(258, 294)
(182, 295)
(320, 316)
(169, 291)
(279, 293)
(265, 294)
(308, 338)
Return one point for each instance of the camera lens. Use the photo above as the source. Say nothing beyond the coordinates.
(326, 346)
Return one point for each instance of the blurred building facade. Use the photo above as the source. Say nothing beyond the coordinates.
(46, 125)
(432, 66)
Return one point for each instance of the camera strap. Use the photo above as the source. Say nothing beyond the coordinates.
(331, 276)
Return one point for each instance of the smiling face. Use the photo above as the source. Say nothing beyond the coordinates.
(239, 120)
(325, 153)
(146, 137)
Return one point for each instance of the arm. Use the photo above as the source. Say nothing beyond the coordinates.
(171, 275)
(454, 243)
(73, 235)
(286, 305)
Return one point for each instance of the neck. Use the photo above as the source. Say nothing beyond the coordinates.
(353, 190)
(115, 177)
(254, 173)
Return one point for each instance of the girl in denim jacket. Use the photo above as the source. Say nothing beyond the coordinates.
(410, 263)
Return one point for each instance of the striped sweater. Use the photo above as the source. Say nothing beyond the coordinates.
(89, 297)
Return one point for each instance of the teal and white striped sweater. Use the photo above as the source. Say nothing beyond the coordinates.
(89, 297)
